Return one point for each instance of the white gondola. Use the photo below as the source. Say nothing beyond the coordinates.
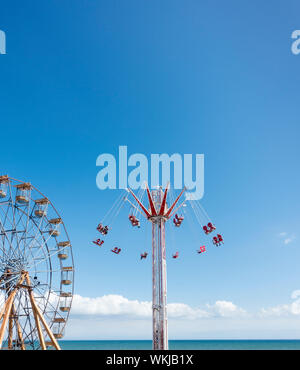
(66, 294)
(62, 256)
(23, 193)
(59, 320)
(66, 282)
(57, 331)
(63, 253)
(41, 206)
(65, 304)
(3, 186)
(54, 227)
(64, 308)
(67, 273)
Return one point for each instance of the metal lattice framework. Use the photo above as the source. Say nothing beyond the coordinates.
(158, 214)
(36, 268)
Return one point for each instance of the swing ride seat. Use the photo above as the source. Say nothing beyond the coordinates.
(134, 221)
(202, 249)
(98, 242)
(220, 238)
(102, 229)
(144, 255)
(211, 226)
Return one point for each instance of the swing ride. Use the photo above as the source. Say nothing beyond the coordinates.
(36, 269)
(162, 207)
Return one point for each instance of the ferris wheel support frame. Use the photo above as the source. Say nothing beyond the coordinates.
(8, 316)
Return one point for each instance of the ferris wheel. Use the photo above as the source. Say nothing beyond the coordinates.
(36, 269)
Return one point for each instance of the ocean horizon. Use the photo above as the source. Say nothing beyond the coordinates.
(220, 344)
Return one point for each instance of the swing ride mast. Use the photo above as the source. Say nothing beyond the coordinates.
(158, 214)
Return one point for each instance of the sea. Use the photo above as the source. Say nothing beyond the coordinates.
(181, 344)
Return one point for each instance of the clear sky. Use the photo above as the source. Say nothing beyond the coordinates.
(82, 77)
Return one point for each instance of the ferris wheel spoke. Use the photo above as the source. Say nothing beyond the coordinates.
(42, 243)
(2, 260)
(33, 256)
(5, 282)
(20, 221)
(46, 232)
(49, 256)
(4, 234)
(5, 215)
(54, 308)
(10, 241)
(27, 333)
(41, 272)
(24, 225)
(9, 209)
(7, 256)
(33, 261)
(39, 225)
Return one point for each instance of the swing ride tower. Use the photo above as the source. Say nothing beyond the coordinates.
(158, 214)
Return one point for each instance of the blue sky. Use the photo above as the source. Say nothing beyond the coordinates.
(81, 78)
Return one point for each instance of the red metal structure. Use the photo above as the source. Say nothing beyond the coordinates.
(158, 213)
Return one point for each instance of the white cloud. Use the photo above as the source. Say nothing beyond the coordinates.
(295, 294)
(287, 239)
(226, 309)
(291, 309)
(111, 304)
(181, 310)
(116, 317)
(282, 234)
(119, 306)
